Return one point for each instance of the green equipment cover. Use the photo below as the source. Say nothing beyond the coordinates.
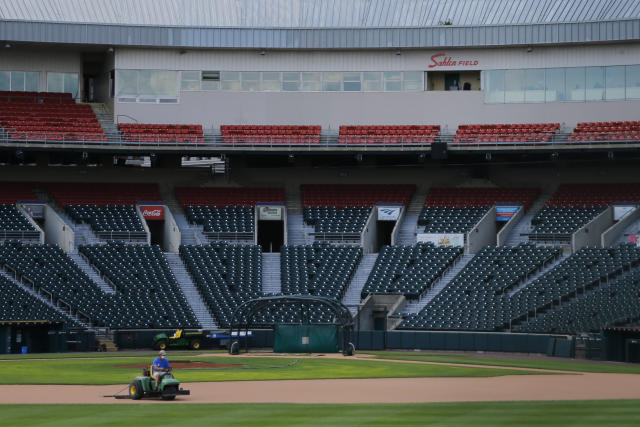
(305, 339)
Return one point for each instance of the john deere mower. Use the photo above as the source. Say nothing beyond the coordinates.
(145, 386)
(180, 338)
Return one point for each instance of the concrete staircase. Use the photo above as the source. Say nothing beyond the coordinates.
(293, 200)
(40, 297)
(351, 296)
(297, 231)
(271, 274)
(105, 118)
(93, 274)
(84, 236)
(437, 287)
(190, 291)
(408, 231)
(544, 270)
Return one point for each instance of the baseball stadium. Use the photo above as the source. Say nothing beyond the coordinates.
(320, 212)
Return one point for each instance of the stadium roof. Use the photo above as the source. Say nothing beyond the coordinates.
(318, 13)
(299, 23)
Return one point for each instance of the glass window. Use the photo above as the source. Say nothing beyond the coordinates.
(351, 82)
(271, 81)
(332, 82)
(312, 82)
(126, 82)
(614, 82)
(514, 86)
(190, 80)
(152, 83)
(574, 84)
(633, 82)
(412, 80)
(31, 81)
(230, 80)
(5, 80)
(250, 81)
(392, 81)
(17, 81)
(555, 85)
(55, 82)
(70, 81)
(595, 83)
(291, 81)
(372, 81)
(534, 85)
(493, 86)
(210, 85)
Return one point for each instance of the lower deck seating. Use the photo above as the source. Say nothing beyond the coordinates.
(271, 134)
(416, 134)
(587, 269)
(18, 305)
(11, 219)
(437, 219)
(225, 219)
(606, 131)
(563, 219)
(226, 275)
(330, 219)
(477, 298)
(613, 303)
(409, 270)
(118, 218)
(145, 283)
(496, 133)
(160, 133)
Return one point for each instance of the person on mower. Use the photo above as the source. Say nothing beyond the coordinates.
(160, 366)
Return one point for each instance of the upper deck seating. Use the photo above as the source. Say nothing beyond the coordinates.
(270, 134)
(496, 133)
(606, 131)
(144, 132)
(419, 134)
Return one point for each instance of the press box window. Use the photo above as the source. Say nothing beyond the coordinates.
(351, 82)
(190, 80)
(210, 80)
(271, 81)
(230, 80)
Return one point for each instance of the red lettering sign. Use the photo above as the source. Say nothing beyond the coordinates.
(442, 60)
(152, 212)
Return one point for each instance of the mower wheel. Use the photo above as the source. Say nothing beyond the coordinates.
(135, 390)
(161, 344)
(169, 389)
(195, 345)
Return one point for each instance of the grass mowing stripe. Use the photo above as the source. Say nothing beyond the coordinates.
(552, 364)
(108, 371)
(583, 413)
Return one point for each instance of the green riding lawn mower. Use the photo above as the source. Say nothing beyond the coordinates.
(145, 386)
(180, 339)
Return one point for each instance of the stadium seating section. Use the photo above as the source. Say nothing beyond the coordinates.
(355, 195)
(450, 220)
(329, 219)
(579, 195)
(228, 196)
(17, 304)
(148, 292)
(226, 275)
(12, 192)
(225, 219)
(116, 218)
(587, 269)
(562, 220)
(613, 303)
(234, 134)
(477, 298)
(141, 132)
(12, 220)
(479, 196)
(409, 270)
(606, 131)
(50, 116)
(496, 133)
(419, 134)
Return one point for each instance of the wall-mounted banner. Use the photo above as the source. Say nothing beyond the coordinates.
(387, 213)
(621, 210)
(443, 60)
(441, 239)
(504, 213)
(270, 213)
(152, 212)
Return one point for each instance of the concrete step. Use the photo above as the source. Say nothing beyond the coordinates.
(92, 272)
(271, 274)
(351, 296)
(190, 291)
(438, 286)
(297, 231)
(407, 231)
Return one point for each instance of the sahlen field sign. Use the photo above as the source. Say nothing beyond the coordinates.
(441, 239)
(270, 213)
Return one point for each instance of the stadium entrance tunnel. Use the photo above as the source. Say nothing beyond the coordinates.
(386, 219)
(271, 227)
(302, 332)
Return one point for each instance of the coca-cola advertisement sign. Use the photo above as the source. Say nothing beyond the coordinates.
(152, 212)
(440, 60)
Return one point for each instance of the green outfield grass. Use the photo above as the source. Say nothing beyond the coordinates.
(96, 371)
(470, 359)
(582, 413)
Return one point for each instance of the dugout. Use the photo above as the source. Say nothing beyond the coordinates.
(33, 335)
(307, 334)
(621, 344)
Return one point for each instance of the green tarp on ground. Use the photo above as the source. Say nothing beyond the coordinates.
(305, 339)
